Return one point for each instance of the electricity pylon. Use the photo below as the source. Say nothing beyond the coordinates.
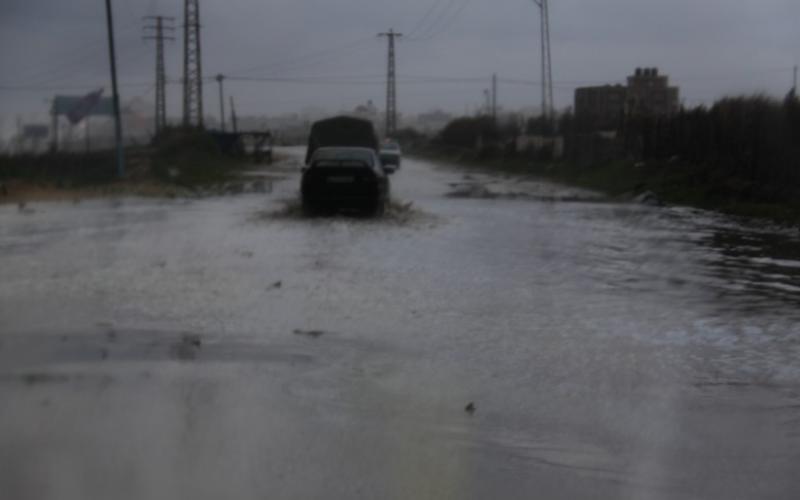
(192, 68)
(548, 108)
(160, 31)
(391, 85)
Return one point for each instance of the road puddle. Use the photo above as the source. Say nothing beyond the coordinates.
(398, 213)
(476, 190)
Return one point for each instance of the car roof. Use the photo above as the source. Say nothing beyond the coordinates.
(343, 153)
(365, 155)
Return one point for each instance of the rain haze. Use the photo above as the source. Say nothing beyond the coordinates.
(422, 249)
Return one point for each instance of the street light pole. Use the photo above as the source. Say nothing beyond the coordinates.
(117, 119)
(220, 78)
(548, 110)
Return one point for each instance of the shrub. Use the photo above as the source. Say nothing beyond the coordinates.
(189, 156)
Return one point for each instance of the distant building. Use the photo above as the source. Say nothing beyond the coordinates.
(600, 108)
(604, 107)
(366, 111)
(433, 121)
(650, 93)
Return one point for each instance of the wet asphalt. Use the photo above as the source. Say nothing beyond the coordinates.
(490, 337)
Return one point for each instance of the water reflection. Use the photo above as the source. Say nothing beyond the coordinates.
(691, 256)
(762, 267)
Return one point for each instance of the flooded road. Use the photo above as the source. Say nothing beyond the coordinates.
(228, 348)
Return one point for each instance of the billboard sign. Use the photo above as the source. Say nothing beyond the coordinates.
(76, 108)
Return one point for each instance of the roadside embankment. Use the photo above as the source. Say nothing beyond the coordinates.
(657, 182)
(178, 164)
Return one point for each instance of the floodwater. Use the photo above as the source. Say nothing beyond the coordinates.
(227, 348)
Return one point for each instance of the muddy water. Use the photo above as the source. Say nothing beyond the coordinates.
(227, 347)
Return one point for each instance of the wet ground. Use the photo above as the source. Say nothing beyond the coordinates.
(226, 347)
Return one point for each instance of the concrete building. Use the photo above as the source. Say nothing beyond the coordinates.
(432, 122)
(650, 93)
(604, 107)
(600, 108)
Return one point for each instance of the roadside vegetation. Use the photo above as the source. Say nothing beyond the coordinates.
(63, 169)
(177, 160)
(191, 158)
(739, 156)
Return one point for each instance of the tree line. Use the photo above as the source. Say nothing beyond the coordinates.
(754, 141)
(750, 143)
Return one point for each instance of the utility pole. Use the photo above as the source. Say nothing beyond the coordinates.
(487, 102)
(192, 68)
(548, 108)
(161, 77)
(233, 117)
(18, 138)
(54, 118)
(220, 78)
(494, 98)
(117, 119)
(391, 87)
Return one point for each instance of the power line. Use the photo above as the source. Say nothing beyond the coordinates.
(445, 23)
(69, 64)
(446, 28)
(312, 56)
(425, 17)
(437, 20)
(86, 86)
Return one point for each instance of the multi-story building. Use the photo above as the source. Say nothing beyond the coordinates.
(650, 93)
(605, 107)
(600, 108)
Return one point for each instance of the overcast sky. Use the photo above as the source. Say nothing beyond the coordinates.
(708, 47)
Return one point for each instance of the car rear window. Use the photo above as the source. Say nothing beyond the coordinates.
(340, 164)
(367, 157)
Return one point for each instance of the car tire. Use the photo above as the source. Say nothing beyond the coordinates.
(308, 208)
(380, 208)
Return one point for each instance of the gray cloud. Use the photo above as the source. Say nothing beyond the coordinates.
(709, 47)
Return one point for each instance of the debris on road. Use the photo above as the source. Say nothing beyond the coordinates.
(648, 198)
(22, 207)
(470, 408)
(188, 346)
(314, 334)
(192, 339)
(43, 378)
(471, 190)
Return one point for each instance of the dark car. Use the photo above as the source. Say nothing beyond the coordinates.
(342, 178)
(342, 131)
(390, 155)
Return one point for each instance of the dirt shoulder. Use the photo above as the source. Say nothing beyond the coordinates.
(654, 183)
(250, 178)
